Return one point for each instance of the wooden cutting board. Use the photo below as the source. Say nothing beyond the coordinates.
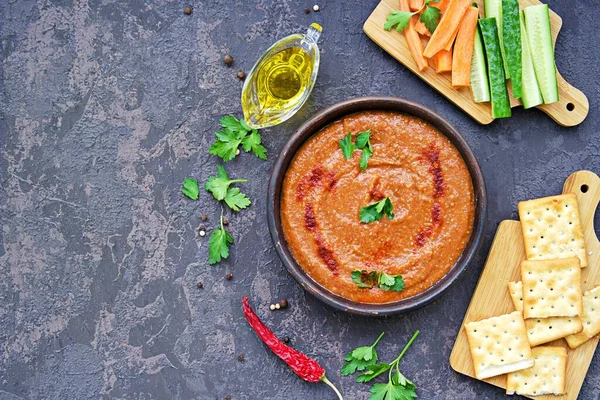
(570, 110)
(491, 296)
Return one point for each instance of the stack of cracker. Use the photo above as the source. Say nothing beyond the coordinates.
(548, 301)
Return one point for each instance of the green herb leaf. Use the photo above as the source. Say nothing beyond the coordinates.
(372, 372)
(430, 17)
(236, 200)
(389, 391)
(218, 245)
(220, 188)
(252, 142)
(398, 18)
(235, 133)
(364, 160)
(360, 358)
(374, 212)
(190, 188)
(363, 139)
(372, 279)
(347, 146)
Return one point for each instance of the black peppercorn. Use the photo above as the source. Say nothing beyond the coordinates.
(204, 218)
(229, 277)
(283, 303)
(307, 11)
(241, 75)
(241, 357)
(187, 10)
(225, 221)
(286, 339)
(199, 285)
(228, 397)
(228, 60)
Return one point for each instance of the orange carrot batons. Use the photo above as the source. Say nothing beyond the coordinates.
(443, 61)
(463, 48)
(415, 5)
(445, 29)
(413, 40)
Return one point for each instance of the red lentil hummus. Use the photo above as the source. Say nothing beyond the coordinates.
(414, 165)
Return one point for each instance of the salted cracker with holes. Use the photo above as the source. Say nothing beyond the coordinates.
(552, 228)
(590, 318)
(551, 288)
(547, 376)
(544, 330)
(499, 345)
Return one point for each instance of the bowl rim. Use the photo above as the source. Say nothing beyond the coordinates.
(314, 125)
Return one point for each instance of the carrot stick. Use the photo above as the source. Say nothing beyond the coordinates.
(463, 48)
(441, 5)
(422, 29)
(452, 39)
(413, 39)
(443, 61)
(445, 29)
(415, 5)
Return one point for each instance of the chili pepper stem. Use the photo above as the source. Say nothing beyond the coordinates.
(332, 386)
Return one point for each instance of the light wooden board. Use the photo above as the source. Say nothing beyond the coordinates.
(570, 110)
(491, 296)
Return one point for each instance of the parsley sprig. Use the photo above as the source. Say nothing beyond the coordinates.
(430, 17)
(234, 133)
(360, 358)
(220, 188)
(218, 244)
(398, 386)
(190, 188)
(367, 280)
(363, 142)
(376, 211)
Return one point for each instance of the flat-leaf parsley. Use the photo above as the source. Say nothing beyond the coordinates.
(218, 245)
(220, 188)
(376, 211)
(234, 133)
(360, 358)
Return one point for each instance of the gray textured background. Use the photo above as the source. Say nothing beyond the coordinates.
(106, 105)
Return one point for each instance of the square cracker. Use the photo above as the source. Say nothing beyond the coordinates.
(544, 330)
(552, 228)
(590, 318)
(499, 345)
(547, 376)
(551, 288)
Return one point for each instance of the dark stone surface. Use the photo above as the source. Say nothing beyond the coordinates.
(106, 105)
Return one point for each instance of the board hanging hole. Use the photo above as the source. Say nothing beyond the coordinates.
(570, 106)
(584, 188)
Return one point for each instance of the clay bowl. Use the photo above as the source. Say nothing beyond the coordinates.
(323, 119)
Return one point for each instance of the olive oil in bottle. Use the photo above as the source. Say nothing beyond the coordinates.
(281, 80)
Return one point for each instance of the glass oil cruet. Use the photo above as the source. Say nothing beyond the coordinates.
(282, 79)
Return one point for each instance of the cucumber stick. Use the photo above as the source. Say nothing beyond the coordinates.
(480, 87)
(498, 92)
(531, 91)
(493, 9)
(511, 41)
(537, 25)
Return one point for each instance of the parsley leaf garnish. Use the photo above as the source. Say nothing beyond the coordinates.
(360, 358)
(367, 280)
(190, 188)
(398, 18)
(363, 142)
(430, 17)
(234, 133)
(375, 211)
(218, 245)
(397, 387)
(347, 146)
(220, 188)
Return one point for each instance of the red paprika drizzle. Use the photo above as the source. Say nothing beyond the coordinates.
(304, 366)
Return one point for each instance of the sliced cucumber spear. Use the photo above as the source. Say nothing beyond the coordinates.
(493, 9)
(537, 25)
(511, 41)
(531, 91)
(480, 87)
(499, 94)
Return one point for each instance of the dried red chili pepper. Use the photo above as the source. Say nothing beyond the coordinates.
(304, 366)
